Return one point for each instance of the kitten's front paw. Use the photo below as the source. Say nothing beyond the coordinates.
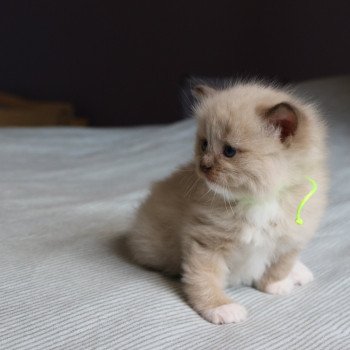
(282, 287)
(301, 274)
(229, 313)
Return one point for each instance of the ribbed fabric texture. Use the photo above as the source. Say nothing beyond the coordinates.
(67, 196)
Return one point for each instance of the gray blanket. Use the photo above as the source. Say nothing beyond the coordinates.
(67, 196)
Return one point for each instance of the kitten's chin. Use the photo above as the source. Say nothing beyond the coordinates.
(222, 191)
(238, 195)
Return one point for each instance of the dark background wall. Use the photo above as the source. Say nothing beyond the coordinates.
(121, 62)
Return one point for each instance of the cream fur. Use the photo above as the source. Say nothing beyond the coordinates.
(235, 224)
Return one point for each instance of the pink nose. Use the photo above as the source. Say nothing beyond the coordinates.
(205, 168)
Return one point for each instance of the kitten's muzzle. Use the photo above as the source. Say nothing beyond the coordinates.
(206, 168)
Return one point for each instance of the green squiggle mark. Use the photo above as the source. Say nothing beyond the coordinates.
(298, 219)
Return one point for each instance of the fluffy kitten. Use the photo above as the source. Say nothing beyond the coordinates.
(228, 217)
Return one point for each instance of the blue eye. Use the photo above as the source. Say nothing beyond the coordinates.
(204, 145)
(229, 151)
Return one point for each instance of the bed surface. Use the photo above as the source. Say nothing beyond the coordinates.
(67, 196)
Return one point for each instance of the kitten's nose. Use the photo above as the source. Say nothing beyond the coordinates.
(205, 168)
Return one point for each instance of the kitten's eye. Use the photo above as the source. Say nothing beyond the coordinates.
(229, 151)
(204, 145)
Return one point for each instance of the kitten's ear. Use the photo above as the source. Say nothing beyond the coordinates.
(283, 117)
(201, 91)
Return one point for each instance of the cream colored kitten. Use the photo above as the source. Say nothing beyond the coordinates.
(228, 217)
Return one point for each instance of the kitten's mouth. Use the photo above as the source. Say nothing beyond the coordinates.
(211, 178)
(206, 174)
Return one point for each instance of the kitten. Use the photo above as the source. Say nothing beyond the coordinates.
(228, 217)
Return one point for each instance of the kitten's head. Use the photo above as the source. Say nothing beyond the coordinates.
(252, 139)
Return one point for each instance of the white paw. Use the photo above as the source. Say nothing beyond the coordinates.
(282, 287)
(229, 313)
(301, 274)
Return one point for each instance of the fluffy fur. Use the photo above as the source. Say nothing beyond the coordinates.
(224, 220)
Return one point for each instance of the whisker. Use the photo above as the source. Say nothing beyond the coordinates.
(192, 188)
(212, 199)
(189, 187)
(189, 181)
(225, 202)
(226, 189)
(203, 195)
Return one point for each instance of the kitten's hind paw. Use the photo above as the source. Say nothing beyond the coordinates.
(229, 313)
